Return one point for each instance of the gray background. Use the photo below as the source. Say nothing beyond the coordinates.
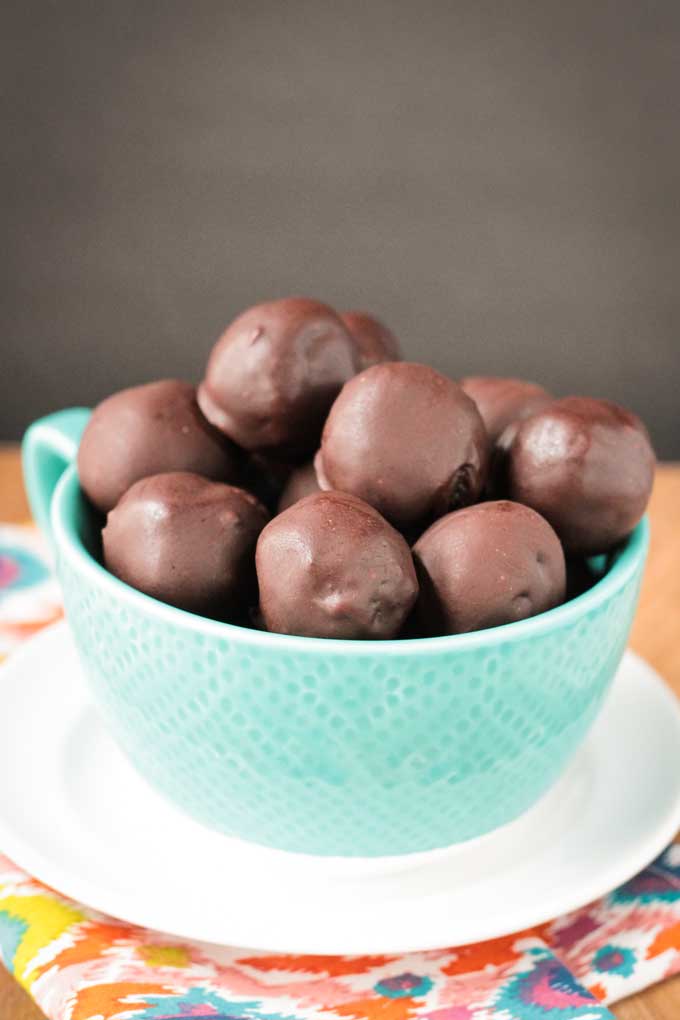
(499, 181)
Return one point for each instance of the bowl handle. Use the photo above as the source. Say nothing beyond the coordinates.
(49, 446)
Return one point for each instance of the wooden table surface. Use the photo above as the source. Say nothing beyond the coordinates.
(654, 636)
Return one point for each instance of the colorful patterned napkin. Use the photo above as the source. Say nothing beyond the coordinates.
(79, 965)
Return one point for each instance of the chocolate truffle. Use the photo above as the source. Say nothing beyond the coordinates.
(302, 482)
(407, 440)
(374, 341)
(486, 565)
(274, 373)
(587, 466)
(144, 431)
(330, 566)
(187, 541)
(502, 401)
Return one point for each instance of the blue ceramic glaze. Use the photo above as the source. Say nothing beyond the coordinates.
(324, 746)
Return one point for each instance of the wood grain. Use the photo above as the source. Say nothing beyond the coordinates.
(655, 636)
(15, 1003)
(13, 504)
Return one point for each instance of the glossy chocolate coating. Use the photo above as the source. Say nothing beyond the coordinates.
(274, 373)
(374, 341)
(144, 431)
(407, 440)
(187, 541)
(587, 466)
(502, 401)
(331, 566)
(301, 482)
(497, 485)
(487, 565)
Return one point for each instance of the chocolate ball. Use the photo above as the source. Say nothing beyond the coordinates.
(407, 440)
(502, 401)
(302, 482)
(587, 466)
(374, 341)
(144, 431)
(274, 373)
(187, 541)
(487, 565)
(330, 566)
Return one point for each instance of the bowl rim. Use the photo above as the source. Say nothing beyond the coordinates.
(630, 558)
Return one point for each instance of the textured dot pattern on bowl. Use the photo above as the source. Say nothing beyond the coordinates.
(337, 747)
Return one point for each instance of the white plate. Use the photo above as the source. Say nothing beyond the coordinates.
(76, 815)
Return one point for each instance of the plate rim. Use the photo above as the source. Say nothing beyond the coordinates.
(155, 915)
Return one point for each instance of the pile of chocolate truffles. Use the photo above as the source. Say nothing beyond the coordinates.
(315, 484)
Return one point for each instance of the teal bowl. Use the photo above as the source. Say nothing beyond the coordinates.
(322, 746)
